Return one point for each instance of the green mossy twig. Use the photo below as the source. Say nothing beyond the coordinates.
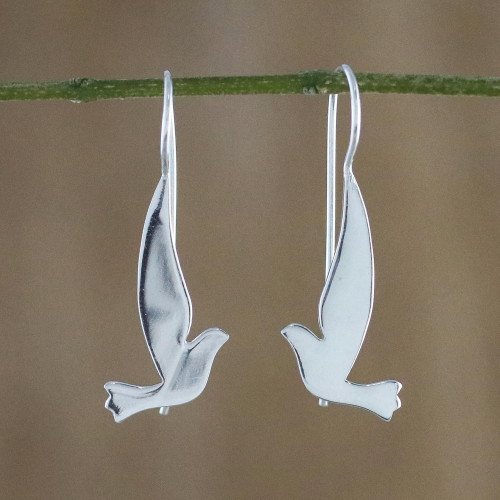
(306, 82)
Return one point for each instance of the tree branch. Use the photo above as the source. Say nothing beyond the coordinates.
(307, 82)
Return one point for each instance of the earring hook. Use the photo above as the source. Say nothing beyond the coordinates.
(331, 154)
(169, 159)
(168, 148)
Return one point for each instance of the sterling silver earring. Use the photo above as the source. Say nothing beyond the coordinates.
(164, 303)
(346, 303)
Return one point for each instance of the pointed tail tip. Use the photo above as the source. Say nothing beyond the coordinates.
(110, 404)
(398, 399)
(111, 407)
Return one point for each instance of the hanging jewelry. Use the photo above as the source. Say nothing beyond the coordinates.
(346, 303)
(164, 303)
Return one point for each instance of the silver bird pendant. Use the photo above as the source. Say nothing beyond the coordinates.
(345, 308)
(165, 309)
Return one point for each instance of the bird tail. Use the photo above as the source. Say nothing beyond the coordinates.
(125, 400)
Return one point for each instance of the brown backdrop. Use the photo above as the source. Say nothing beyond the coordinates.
(75, 183)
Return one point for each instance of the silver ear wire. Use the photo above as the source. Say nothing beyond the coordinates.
(346, 301)
(331, 154)
(168, 147)
(168, 155)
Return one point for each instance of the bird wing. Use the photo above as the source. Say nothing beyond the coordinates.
(346, 302)
(164, 302)
(195, 364)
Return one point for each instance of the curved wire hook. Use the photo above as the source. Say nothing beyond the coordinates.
(355, 114)
(331, 153)
(169, 159)
(168, 148)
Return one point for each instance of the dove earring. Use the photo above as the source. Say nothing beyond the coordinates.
(164, 303)
(346, 303)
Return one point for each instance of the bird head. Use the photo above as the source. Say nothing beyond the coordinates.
(299, 337)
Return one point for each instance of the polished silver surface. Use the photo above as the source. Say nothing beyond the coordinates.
(164, 303)
(346, 302)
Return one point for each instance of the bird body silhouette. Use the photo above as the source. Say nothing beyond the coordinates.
(166, 312)
(344, 313)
